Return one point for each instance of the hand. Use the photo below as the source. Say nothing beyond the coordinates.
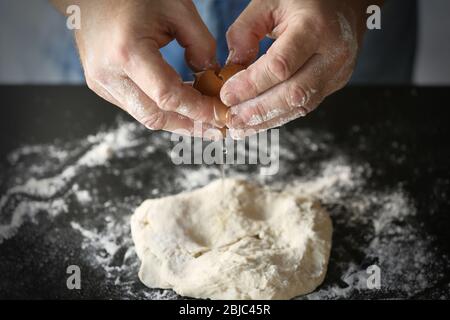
(313, 56)
(119, 44)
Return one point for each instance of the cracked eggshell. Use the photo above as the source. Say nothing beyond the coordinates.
(209, 82)
(230, 70)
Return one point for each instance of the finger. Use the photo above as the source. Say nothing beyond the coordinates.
(247, 31)
(239, 134)
(102, 92)
(301, 93)
(284, 58)
(162, 84)
(200, 45)
(179, 124)
(133, 100)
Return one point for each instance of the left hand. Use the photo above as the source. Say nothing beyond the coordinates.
(313, 56)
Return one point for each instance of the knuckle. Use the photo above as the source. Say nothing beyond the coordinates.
(230, 34)
(260, 111)
(315, 24)
(122, 53)
(278, 67)
(250, 86)
(342, 82)
(314, 104)
(258, 115)
(230, 39)
(211, 41)
(154, 121)
(315, 99)
(94, 73)
(233, 31)
(123, 47)
(167, 100)
(90, 83)
(296, 96)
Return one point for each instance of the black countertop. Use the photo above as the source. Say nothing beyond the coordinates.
(379, 156)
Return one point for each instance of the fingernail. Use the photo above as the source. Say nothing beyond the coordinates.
(231, 55)
(230, 99)
(220, 114)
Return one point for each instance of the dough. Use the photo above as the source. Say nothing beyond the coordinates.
(232, 240)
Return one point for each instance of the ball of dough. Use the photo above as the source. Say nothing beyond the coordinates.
(232, 240)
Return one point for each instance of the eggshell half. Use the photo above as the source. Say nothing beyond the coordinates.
(209, 82)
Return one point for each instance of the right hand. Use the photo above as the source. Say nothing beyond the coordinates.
(119, 44)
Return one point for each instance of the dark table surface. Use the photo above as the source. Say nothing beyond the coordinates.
(387, 149)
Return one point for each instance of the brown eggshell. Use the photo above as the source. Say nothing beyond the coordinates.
(209, 82)
(230, 70)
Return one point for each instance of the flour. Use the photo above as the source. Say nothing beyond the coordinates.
(257, 119)
(194, 178)
(28, 211)
(103, 146)
(18, 154)
(347, 33)
(349, 37)
(101, 241)
(62, 187)
(276, 118)
(83, 196)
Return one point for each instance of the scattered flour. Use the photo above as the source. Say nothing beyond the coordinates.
(83, 196)
(103, 146)
(371, 226)
(29, 209)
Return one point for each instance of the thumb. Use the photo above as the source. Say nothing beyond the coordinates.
(247, 31)
(200, 45)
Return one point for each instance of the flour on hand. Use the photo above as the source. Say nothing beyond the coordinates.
(233, 240)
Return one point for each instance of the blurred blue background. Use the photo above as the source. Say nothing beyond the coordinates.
(37, 48)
